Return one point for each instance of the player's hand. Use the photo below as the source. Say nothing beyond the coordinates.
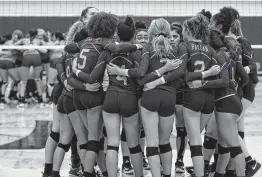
(113, 69)
(258, 66)
(139, 46)
(214, 70)
(152, 85)
(68, 87)
(172, 65)
(195, 84)
(92, 87)
(74, 66)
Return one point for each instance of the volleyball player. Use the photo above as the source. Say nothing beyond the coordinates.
(8, 70)
(54, 55)
(140, 37)
(31, 57)
(200, 57)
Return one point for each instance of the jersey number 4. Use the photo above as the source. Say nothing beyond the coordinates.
(81, 65)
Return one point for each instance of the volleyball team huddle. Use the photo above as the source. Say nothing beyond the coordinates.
(119, 73)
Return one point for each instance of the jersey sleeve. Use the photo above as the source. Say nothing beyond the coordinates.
(223, 80)
(141, 64)
(175, 74)
(75, 83)
(60, 66)
(242, 73)
(72, 48)
(248, 54)
(96, 72)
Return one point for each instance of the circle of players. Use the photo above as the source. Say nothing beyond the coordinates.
(120, 73)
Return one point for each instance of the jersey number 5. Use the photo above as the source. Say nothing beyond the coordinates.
(199, 64)
(81, 65)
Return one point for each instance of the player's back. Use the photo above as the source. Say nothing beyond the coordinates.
(124, 61)
(90, 50)
(201, 57)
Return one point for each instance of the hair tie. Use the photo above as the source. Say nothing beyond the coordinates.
(162, 34)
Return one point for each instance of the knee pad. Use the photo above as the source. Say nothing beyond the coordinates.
(83, 146)
(101, 144)
(210, 143)
(135, 150)
(235, 151)
(222, 150)
(152, 151)
(55, 136)
(164, 148)
(196, 151)
(66, 147)
(142, 134)
(181, 131)
(114, 148)
(123, 135)
(93, 146)
(241, 134)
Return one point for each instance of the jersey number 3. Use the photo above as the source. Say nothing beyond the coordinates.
(199, 65)
(81, 65)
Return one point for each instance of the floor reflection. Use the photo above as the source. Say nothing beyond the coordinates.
(15, 138)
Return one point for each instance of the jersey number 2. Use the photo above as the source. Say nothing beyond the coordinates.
(196, 65)
(83, 57)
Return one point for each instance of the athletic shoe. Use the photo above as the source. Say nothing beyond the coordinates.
(213, 167)
(45, 175)
(190, 170)
(179, 166)
(2, 105)
(75, 172)
(252, 167)
(207, 171)
(145, 164)
(127, 168)
(97, 173)
(21, 103)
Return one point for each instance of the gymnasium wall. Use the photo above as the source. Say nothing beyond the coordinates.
(58, 15)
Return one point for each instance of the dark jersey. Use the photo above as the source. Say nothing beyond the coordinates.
(198, 57)
(224, 85)
(155, 63)
(90, 50)
(64, 68)
(247, 55)
(125, 61)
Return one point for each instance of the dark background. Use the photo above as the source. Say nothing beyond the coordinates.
(252, 26)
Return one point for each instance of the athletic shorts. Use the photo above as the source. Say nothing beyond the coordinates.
(199, 101)
(159, 100)
(53, 63)
(231, 104)
(123, 103)
(68, 104)
(87, 100)
(179, 98)
(5, 64)
(45, 58)
(249, 92)
(60, 105)
(31, 60)
(56, 93)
